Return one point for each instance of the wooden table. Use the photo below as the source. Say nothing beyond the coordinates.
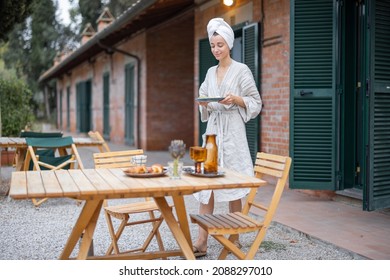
(95, 185)
(20, 145)
(18, 142)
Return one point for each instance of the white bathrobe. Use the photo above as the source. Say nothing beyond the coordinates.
(228, 123)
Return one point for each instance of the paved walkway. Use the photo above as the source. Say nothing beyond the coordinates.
(337, 221)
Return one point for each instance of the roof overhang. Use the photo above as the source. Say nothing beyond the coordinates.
(142, 15)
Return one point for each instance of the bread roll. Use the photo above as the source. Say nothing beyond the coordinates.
(157, 168)
(137, 169)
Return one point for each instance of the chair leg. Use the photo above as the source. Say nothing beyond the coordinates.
(37, 202)
(225, 251)
(154, 232)
(114, 235)
(230, 246)
(256, 243)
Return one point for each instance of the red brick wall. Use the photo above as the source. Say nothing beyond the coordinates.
(276, 77)
(170, 76)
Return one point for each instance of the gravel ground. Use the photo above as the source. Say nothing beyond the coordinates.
(29, 233)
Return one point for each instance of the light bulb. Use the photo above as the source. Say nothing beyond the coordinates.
(228, 2)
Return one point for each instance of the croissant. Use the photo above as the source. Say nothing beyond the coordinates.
(157, 168)
(137, 169)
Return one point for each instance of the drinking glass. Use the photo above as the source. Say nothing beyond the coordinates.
(199, 155)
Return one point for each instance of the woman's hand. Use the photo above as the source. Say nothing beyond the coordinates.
(231, 99)
(204, 104)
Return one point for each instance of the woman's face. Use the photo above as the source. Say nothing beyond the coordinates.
(219, 47)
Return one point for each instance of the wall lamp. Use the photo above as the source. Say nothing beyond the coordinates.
(228, 3)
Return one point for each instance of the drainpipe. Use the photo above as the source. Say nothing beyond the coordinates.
(138, 60)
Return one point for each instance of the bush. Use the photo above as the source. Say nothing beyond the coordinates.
(15, 99)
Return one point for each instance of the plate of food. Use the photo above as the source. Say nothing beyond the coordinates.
(191, 171)
(142, 171)
(209, 99)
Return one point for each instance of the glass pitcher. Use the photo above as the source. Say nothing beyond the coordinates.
(211, 163)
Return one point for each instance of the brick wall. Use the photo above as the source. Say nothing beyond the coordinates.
(275, 77)
(170, 76)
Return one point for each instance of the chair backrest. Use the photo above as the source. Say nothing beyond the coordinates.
(50, 142)
(118, 159)
(36, 160)
(37, 134)
(97, 136)
(275, 166)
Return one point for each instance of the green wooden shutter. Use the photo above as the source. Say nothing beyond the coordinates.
(206, 60)
(68, 108)
(87, 112)
(129, 104)
(313, 92)
(106, 106)
(60, 113)
(250, 38)
(79, 94)
(378, 195)
(83, 94)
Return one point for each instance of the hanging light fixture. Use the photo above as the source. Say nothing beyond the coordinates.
(228, 3)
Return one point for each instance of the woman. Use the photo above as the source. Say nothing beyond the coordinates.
(226, 119)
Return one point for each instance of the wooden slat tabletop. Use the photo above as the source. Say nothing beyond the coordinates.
(114, 183)
(19, 142)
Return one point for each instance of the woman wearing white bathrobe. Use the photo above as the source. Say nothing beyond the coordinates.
(226, 118)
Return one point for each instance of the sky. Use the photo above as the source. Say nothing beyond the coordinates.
(64, 6)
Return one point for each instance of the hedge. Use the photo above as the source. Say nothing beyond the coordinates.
(15, 99)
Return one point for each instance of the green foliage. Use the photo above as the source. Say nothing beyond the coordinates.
(32, 47)
(117, 7)
(12, 12)
(15, 106)
(90, 11)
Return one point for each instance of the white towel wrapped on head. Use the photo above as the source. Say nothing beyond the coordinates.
(221, 27)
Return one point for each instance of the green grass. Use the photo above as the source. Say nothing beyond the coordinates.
(270, 245)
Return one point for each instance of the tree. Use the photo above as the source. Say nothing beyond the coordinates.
(32, 47)
(12, 12)
(90, 11)
(117, 7)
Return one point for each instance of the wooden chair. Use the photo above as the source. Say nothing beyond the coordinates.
(97, 136)
(232, 224)
(20, 153)
(55, 156)
(122, 159)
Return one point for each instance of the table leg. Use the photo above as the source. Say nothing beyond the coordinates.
(180, 233)
(20, 155)
(182, 217)
(85, 225)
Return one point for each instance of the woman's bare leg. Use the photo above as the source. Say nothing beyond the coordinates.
(235, 206)
(201, 243)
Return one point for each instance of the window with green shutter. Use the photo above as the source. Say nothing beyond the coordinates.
(106, 106)
(313, 98)
(129, 104)
(68, 108)
(378, 194)
(84, 101)
(206, 60)
(251, 54)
